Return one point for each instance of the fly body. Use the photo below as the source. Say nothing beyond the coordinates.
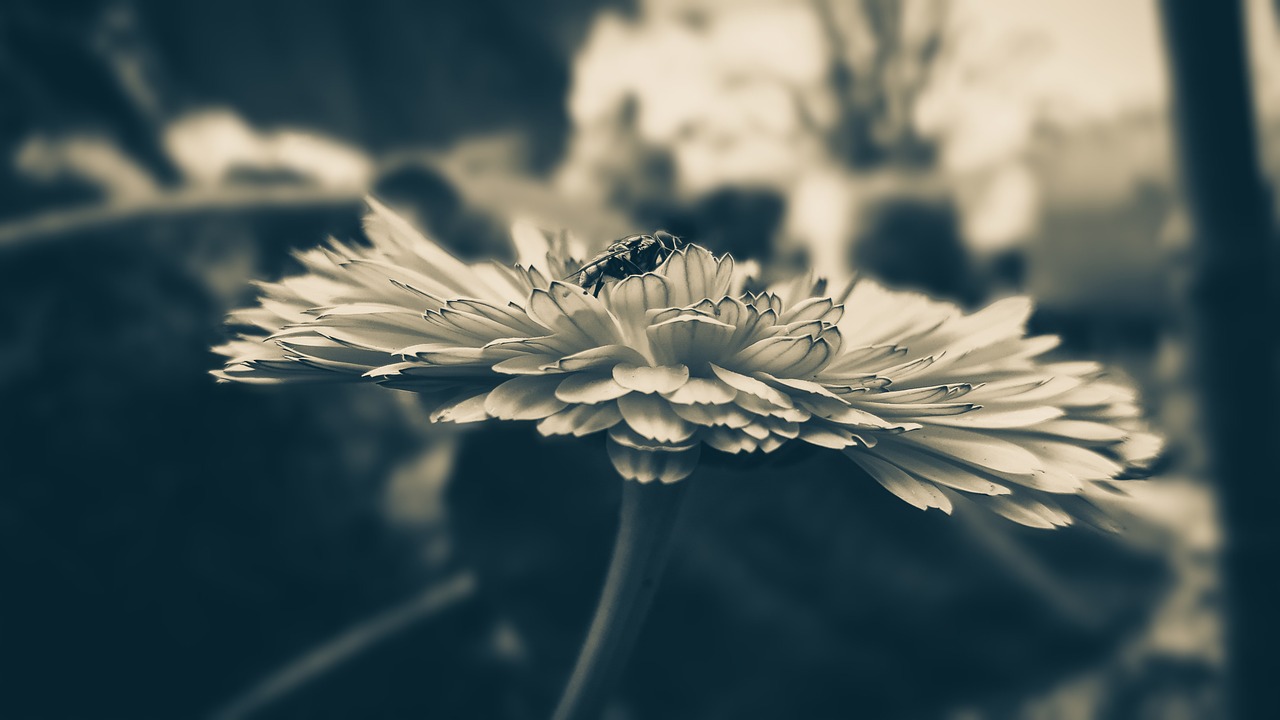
(631, 255)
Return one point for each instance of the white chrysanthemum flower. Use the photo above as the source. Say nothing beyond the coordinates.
(928, 400)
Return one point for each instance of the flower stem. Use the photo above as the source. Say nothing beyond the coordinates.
(647, 518)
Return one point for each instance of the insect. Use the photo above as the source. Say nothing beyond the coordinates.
(631, 255)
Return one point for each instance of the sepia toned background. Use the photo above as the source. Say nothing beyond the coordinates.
(171, 547)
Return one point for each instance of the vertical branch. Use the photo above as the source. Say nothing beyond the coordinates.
(1233, 326)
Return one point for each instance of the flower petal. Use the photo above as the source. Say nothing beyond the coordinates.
(589, 389)
(938, 470)
(807, 387)
(1082, 430)
(646, 379)
(771, 443)
(531, 243)
(1029, 512)
(630, 298)
(622, 433)
(751, 386)
(600, 358)
(855, 417)
(702, 391)
(927, 395)
(574, 315)
(982, 450)
(649, 465)
(435, 354)
(753, 404)
(634, 295)
(933, 411)
(581, 420)
(510, 316)
(897, 481)
(386, 228)
(690, 339)
(466, 410)
(723, 284)
(727, 415)
(530, 397)
(652, 417)
(691, 272)
(776, 354)
(828, 436)
(1081, 462)
(526, 365)
(729, 441)
(992, 419)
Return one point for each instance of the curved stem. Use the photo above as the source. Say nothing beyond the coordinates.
(640, 552)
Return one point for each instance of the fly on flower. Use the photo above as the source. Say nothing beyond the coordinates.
(631, 255)
(672, 355)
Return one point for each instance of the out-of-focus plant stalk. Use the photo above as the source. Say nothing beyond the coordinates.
(647, 518)
(52, 225)
(1232, 306)
(323, 660)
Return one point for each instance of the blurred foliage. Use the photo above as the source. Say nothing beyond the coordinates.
(153, 524)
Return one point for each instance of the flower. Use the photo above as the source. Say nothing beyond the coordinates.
(930, 401)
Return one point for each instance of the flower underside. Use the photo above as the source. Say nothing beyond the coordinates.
(931, 402)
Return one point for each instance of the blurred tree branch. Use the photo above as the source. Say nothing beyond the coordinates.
(61, 223)
(1232, 286)
(877, 94)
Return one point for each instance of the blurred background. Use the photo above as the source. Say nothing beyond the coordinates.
(173, 548)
